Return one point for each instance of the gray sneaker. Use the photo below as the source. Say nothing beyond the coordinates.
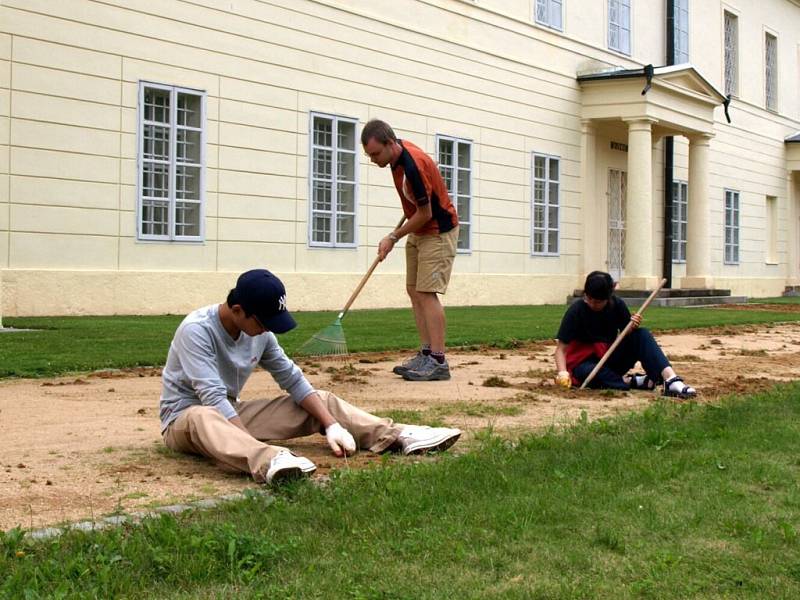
(409, 365)
(429, 370)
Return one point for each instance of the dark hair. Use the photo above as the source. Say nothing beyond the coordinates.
(379, 130)
(599, 285)
(233, 298)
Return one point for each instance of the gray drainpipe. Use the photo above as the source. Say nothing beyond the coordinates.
(669, 154)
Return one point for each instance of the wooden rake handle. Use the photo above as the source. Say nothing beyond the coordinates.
(621, 335)
(364, 279)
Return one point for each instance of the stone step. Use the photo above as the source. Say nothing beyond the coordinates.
(666, 293)
(636, 301)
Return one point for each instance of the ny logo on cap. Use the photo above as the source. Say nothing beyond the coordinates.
(282, 303)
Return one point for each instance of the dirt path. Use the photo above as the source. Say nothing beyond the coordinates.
(77, 448)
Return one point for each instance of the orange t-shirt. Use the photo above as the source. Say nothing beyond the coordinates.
(419, 182)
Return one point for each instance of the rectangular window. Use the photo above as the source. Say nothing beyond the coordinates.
(772, 230)
(619, 25)
(681, 28)
(171, 163)
(731, 54)
(545, 204)
(680, 208)
(731, 227)
(771, 71)
(333, 176)
(548, 13)
(455, 164)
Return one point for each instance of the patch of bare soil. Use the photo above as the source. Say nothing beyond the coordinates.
(89, 446)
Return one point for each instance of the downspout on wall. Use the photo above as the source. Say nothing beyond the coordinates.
(669, 157)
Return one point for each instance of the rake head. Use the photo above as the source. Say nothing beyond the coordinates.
(326, 342)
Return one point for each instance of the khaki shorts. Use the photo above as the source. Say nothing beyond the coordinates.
(429, 260)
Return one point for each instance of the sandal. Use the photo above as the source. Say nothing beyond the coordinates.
(685, 391)
(646, 383)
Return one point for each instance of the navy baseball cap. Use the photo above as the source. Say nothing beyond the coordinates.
(262, 295)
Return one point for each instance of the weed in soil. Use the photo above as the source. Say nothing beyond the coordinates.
(495, 381)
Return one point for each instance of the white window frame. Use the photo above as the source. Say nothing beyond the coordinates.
(622, 8)
(554, 9)
(732, 220)
(770, 72)
(730, 48)
(455, 193)
(680, 13)
(336, 119)
(546, 227)
(680, 205)
(171, 163)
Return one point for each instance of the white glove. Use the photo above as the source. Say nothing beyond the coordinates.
(340, 440)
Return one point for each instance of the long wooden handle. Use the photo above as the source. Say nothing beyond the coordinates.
(622, 335)
(364, 279)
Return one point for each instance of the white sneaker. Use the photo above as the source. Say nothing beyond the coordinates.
(285, 466)
(415, 439)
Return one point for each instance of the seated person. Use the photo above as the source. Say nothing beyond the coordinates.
(588, 329)
(212, 354)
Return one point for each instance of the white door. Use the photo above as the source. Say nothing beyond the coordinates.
(617, 185)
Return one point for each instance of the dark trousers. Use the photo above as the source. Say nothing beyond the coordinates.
(639, 345)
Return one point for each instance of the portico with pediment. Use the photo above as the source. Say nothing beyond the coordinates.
(642, 106)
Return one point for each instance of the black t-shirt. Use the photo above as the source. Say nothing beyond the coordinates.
(585, 325)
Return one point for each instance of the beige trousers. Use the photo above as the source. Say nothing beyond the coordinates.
(203, 430)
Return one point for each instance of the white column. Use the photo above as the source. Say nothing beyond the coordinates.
(698, 249)
(792, 241)
(639, 262)
(591, 258)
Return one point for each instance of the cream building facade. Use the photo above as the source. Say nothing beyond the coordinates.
(151, 151)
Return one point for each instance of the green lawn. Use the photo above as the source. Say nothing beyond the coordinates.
(69, 344)
(682, 501)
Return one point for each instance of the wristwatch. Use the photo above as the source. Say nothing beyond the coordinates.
(393, 236)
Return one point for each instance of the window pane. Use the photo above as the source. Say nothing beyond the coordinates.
(538, 215)
(553, 172)
(155, 180)
(552, 217)
(446, 152)
(321, 230)
(552, 240)
(538, 191)
(156, 143)
(187, 183)
(346, 166)
(464, 156)
(463, 236)
(541, 11)
(463, 209)
(156, 105)
(463, 181)
(322, 195)
(553, 198)
(189, 110)
(323, 132)
(538, 240)
(187, 218)
(538, 167)
(555, 13)
(187, 146)
(323, 163)
(155, 217)
(347, 136)
(346, 198)
(345, 229)
(447, 175)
